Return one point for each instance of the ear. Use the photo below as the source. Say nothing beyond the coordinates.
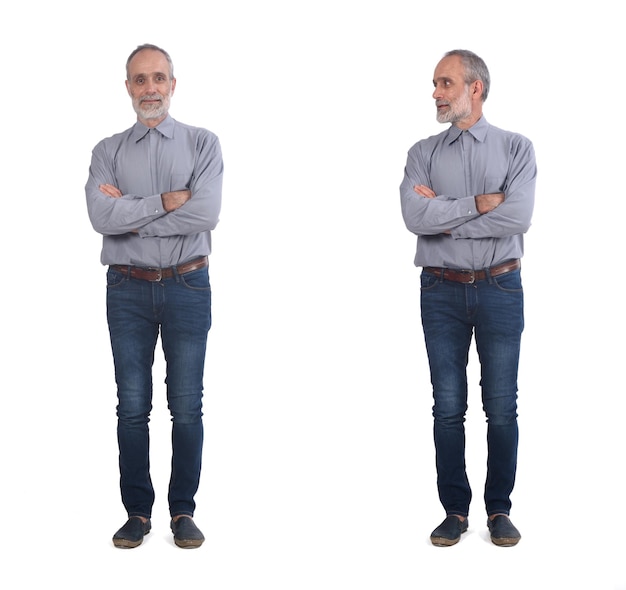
(477, 89)
(127, 87)
(173, 85)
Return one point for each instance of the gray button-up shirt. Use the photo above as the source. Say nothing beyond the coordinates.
(457, 165)
(143, 163)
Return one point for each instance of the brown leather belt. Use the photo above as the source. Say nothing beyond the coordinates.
(157, 274)
(471, 276)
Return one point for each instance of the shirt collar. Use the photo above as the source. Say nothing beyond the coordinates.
(478, 131)
(165, 127)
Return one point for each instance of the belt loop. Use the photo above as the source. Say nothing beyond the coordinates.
(442, 272)
(175, 273)
(129, 269)
(488, 275)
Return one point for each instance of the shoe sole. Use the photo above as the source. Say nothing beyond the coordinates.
(443, 542)
(127, 543)
(505, 541)
(188, 543)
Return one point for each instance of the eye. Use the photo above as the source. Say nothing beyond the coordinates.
(139, 80)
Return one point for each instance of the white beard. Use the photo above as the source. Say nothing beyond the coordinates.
(152, 111)
(457, 111)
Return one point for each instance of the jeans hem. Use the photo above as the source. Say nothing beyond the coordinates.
(182, 513)
(141, 514)
(491, 513)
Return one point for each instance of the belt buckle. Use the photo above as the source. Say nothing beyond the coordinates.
(472, 275)
(159, 274)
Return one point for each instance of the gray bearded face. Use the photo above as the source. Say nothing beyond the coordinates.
(152, 106)
(458, 109)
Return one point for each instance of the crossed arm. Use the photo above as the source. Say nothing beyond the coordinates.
(484, 203)
(171, 201)
(115, 210)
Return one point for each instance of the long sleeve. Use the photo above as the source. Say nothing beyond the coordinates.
(513, 216)
(116, 216)
(201, 212)
(459, 165)
(144, 164)
(424, 216)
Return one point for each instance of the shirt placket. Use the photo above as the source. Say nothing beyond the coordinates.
(467, 145)
(152, 159)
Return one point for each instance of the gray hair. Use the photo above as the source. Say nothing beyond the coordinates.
(154, 48)
(475, 69)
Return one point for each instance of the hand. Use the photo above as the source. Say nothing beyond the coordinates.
(424, 191)
(110, 191)
(174, 200)
(488, 202)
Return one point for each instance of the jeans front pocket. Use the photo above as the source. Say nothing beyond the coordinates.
(115, 278)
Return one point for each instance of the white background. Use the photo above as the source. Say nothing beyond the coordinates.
(319, 462)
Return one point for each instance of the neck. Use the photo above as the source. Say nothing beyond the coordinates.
(151, 123)
(469, 121)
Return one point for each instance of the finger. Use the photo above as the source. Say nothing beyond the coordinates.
(110, 190)
(424, 191)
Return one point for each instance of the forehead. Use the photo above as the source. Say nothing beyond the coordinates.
(148, 61)
(450, 67)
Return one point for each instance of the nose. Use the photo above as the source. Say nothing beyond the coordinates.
(437, 92)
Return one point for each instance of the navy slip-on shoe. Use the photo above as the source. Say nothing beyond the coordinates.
(502, 531)
(449, 531)
(132, 533)
(186, 534)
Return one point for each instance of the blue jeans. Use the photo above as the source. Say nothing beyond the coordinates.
(179, 308)
(491, 310)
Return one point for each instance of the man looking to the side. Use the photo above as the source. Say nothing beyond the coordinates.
(468, 195)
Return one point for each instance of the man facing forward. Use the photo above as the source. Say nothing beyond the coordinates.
(154, 193)
(468, 195)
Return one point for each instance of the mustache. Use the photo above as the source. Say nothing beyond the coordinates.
(151, 97)
(442, 103)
